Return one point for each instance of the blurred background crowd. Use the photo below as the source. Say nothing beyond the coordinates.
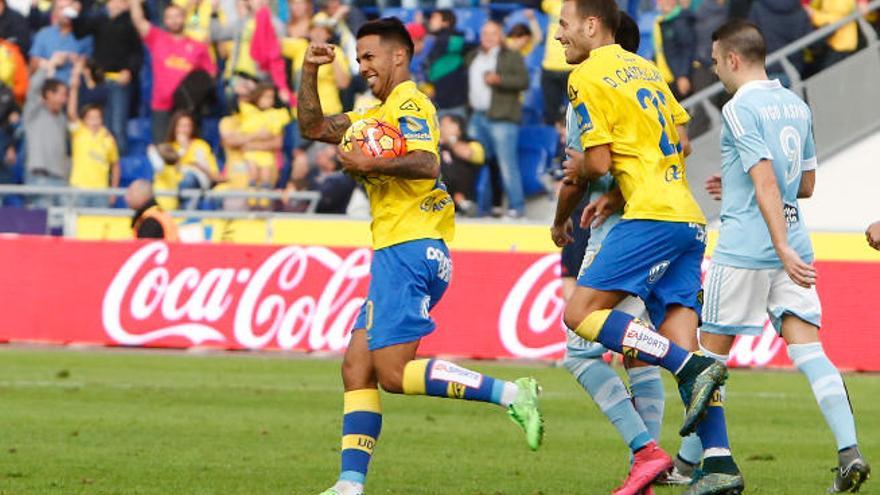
(200, 94)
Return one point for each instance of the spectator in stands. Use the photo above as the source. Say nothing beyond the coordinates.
(242, 65)
(445, 66)
(174, 57)
(419, 35)
(497, 77)
(189, 162)
(554, 69)
(118, 54)
(328, 179)
(259, 118)
(14, 27)
(94, 156)
(461, 159)
(13, 71)
(198, 15)
(781, 22)
(675, 46)
(300, 21)
(45, 125)
(844, 41)
(523, 38)
(709, 15)
(873, 235)
(332, 78)
(59, 38)
(149, 220)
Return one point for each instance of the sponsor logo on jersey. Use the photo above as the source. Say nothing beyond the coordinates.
(414, 128)
(584, 122)
(673, 173)
(448, 372)
(657, 271)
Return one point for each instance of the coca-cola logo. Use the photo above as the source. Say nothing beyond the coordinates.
(533, 306)
(148, 302)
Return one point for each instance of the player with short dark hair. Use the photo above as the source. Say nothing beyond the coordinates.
(628, 122)
(413, 218)
(762, 265)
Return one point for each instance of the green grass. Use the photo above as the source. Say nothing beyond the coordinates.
(148, 422)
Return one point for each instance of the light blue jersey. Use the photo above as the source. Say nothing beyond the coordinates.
(597, 187)
(763, 121)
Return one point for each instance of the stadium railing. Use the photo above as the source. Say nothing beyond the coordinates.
(704, 98)
(65, 215)
(844, 98)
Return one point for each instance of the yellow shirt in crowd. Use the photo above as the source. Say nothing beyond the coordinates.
(92, 155)
(253, 120)
(328, 91)
(554, 53)
(169, 178)
(405, 209)
(621, 100)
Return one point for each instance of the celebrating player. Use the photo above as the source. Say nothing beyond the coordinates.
(637, 418)
(627, 121)
(763, 263)
(413, 217)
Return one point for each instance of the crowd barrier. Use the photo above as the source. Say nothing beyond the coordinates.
(504, 301)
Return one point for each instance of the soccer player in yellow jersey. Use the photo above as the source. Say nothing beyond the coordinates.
(413, 217)
(627, 121)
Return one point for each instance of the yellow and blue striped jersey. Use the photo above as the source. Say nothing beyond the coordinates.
(621, 100)
(408, 209)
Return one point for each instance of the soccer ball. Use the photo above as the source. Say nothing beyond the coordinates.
(374, 138)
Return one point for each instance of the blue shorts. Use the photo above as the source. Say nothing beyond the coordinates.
(406, 281)
(660, 262)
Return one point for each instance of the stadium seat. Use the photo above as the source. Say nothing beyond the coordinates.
(134, 167)
(536, 148)
(518, 17)
(405, 15)
(470, 22)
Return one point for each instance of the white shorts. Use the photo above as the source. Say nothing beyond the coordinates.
(738, 301)
(581, 348)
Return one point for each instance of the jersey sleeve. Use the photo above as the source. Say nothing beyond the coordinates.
(746, 132)
(679, 114)
(809, 161)
(591, 110)
(418, 124)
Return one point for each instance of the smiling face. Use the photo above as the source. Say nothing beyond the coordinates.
(572, 33)
(93, 119)
(378, 63)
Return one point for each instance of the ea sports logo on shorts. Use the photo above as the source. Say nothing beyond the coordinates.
(657, 271)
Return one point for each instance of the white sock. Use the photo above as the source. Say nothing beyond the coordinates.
(508, 394)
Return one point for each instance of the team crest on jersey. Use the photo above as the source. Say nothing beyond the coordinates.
(584, 122)
(410, 106)
(572, 93)
(657, 271)
(414, 128)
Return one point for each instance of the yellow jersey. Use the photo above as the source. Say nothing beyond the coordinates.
(621, 100)
(328, 92)
(92, 155)
(554, 52)
(253, 120)
(408, 209)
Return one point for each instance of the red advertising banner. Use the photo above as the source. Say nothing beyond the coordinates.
(305, 298)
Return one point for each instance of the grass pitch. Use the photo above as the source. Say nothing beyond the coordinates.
(119, 422)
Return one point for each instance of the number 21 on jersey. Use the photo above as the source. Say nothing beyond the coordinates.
(655, 99)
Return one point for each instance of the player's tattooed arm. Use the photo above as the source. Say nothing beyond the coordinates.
(413, 165)
(312, 122)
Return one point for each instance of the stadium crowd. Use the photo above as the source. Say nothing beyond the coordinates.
(201, 94)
